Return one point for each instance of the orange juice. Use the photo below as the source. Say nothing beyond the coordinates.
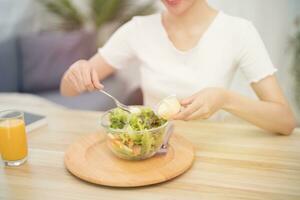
(13, 143)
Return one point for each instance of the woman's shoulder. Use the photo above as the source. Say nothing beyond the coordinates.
(237, 24)
(238, 27)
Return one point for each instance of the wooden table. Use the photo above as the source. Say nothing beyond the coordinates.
(233, 161)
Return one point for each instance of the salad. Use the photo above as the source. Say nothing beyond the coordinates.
(135, 135)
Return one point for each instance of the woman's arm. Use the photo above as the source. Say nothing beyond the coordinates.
(271, 112)
(85, 75)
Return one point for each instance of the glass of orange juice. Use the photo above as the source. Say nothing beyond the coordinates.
(13, 141)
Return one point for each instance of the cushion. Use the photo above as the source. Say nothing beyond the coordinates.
(9, 66)
(46, 56)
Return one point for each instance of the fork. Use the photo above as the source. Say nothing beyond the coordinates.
(117, 102)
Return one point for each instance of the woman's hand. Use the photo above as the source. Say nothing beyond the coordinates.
(81, 77)
(270, 112)
(202, 104)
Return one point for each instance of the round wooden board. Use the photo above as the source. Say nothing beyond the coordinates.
(91, 160)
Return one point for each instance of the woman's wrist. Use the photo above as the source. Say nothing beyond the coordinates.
(95, 67)
(227, 96)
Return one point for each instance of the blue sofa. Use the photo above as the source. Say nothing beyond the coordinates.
(36, 63)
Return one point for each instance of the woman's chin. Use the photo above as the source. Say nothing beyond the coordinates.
(177, 7)
(176, 11)
(172, 3)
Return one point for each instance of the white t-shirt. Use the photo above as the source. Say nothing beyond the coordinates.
(229, 43)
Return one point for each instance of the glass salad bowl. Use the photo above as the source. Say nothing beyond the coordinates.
(134, 136)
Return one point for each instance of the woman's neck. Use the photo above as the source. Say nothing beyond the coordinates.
(199, 12)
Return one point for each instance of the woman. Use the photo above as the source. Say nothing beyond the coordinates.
(193, 51)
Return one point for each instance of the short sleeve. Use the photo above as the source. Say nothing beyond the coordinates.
(118, 50)
(253, 58)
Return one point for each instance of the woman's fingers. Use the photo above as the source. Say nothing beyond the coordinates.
(187, 101)
(90, 78)
(79, 79)
(71, 77)
(81, 76)
(87, 80)
(201, 113)
(85, 72)
(95, 80)
(189, 110)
